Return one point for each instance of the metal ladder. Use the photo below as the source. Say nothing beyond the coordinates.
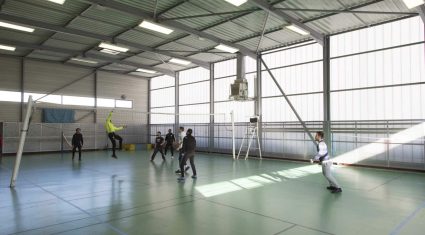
(250, 134)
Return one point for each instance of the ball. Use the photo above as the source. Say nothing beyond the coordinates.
(176, 145)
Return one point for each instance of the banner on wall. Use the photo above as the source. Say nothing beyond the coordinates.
(58, 115)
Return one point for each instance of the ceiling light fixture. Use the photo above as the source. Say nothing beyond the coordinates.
(225, 48)
(57, 1)
(297, 29)
(16, 27)
(146, 71)
(155, 27)
(108, 51)
(113, 47)
(179, 61)
(84, 61)
(236, 2)
(7, 48)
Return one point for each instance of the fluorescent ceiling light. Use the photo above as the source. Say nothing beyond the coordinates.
(112, 52)
(7, 48)
(84, 61)
(236, 2)
(413, 3)
(297, 29)
(57, 1)
(155, 27)
(225, 48)
(179, 61)
(113, 47)
(17, 27)
(146, 71)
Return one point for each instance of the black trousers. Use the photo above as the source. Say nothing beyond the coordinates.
(112, 136)
(156, 151)
(191, 157)
(171, 148)
(74, 148)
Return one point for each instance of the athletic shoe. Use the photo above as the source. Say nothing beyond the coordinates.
(181, 178)
(337, 190)
(331, 188)
(186, 168)
(178, 172)
(114, 156)
(194, 176)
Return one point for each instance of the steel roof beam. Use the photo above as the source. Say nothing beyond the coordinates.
(88, 55)
(60, 29)
(284, 16)
(176, 25)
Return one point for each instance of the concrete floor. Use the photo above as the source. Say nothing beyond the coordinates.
(131, 195)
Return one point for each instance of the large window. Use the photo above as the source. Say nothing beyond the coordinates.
(162, 100)
(14, 96)
(299, 72)
(378, 73)
(194, 96)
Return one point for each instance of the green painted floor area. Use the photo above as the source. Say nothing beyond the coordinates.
(131, 195)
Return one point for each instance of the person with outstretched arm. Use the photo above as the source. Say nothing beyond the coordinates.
(111, 129)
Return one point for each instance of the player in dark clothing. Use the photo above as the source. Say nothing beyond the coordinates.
(188, 151)
(77, 142)
(169, 139)
(159, 143)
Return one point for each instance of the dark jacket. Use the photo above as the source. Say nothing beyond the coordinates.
(159, 141)
(169, 138)
(77, 139)
(189, 144)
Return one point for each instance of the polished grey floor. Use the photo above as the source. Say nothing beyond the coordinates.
(131, 195)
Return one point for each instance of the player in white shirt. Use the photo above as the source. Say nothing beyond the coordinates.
(323, 158)
(182, 134)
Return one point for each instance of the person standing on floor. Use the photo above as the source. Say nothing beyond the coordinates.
(188, 152)
(170, 139)
(323, 158)
(159, 143)
(111, 129)
(182, 134)
(77, 143)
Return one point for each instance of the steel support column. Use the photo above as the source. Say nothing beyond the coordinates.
(212, 120)
(176, 102)
(22, 76)
(259, 100)
(327, 93)
(95, 97)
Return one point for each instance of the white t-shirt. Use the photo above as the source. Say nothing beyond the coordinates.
(181, 136)
(323, 150)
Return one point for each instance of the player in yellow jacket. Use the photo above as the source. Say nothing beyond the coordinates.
(111, 129)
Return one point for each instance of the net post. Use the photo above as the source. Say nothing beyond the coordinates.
(232, 117)
(24, 132)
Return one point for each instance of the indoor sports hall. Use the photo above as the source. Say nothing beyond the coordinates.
(206, 117)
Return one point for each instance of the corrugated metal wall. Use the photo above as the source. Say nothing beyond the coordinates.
(44, 77)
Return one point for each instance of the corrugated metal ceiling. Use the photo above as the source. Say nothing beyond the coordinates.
(245, 30)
